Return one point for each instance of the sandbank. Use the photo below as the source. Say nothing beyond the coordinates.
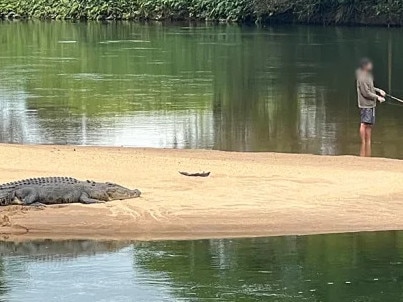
(246, 195)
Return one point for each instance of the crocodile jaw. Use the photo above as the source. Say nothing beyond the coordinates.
(123, 193)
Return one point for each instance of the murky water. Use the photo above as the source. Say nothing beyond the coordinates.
(284, 88)
(347, 267)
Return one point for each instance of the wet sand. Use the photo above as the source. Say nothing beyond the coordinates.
(247, 194)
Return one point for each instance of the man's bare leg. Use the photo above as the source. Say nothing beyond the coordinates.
(363, 140)
(368, 137)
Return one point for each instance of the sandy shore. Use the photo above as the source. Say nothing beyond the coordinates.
(247, 194)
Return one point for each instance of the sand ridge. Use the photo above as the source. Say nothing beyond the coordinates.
(247, 194)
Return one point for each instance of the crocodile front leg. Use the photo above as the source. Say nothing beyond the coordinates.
(84, 198)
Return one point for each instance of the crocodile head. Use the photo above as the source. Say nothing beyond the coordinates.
(116, 192)
(109, 191)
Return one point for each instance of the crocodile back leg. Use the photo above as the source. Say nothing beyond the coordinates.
(6, 198)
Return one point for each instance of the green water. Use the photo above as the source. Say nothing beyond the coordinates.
(347, 267)
(285, 88)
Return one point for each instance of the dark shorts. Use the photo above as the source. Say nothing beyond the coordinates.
(367, 116)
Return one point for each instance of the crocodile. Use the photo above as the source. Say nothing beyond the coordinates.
(58, 190)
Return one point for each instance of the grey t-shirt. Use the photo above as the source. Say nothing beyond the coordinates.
(365, 90)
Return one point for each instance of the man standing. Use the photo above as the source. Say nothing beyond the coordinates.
(367, 98)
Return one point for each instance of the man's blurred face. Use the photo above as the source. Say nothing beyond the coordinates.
(369, 67)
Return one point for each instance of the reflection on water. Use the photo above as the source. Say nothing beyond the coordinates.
(74, 271)
(347, 267)
(286, 89)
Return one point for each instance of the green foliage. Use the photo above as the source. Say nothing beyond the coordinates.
(234, 10)
(388, 12)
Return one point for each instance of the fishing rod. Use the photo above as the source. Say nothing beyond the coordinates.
(394, 98)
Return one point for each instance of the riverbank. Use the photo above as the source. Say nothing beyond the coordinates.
(375, 12)
(247, 194)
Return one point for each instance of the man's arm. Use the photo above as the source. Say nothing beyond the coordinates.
(365, 91)
(380, 91)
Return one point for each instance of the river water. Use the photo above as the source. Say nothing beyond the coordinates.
(348, 267)
(283, 88)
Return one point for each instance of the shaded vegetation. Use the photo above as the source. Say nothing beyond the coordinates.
(385, 12)
(375, 12)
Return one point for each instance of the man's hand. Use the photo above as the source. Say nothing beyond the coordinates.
(381, 99)
(382, 93)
